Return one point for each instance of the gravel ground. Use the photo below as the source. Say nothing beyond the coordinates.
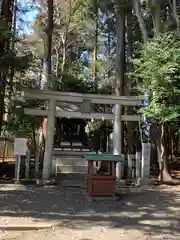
(148, 215)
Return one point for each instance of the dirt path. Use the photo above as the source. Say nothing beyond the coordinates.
(149, 215)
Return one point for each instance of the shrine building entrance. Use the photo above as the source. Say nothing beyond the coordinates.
(70, 134)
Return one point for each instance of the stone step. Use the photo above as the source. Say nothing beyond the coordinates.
(69, 164)
(60, 153)
(74, 184)
(71, 169)
(76, 177)
(68, 161)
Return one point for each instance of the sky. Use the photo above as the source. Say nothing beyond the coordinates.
(28, 17)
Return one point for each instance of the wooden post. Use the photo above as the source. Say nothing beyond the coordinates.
(37, 155)
(16, 166)
(94, 168)
(18, 169)
(129, 166)
(113, 169)
(138, 165)
(133, 158)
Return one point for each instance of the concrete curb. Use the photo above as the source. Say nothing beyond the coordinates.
(138, 189)
(12, 187)
(27, 227)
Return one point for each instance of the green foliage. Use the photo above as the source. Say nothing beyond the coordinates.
(73, 84)
(97, 131)
(19, 63)
(21, 124)
(70, 83)
(13, 63)
(157, 70)
(97, 127)
(8, 58)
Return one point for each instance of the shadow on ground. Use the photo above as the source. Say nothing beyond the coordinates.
(153, 212)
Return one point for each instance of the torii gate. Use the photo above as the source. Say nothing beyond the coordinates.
(85, 101)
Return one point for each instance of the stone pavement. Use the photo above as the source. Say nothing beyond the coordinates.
(152, 214)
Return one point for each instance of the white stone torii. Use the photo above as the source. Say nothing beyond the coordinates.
(85, 100)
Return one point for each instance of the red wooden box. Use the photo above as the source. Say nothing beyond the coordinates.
(102, 185)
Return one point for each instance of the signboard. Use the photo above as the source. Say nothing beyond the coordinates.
(20, 146)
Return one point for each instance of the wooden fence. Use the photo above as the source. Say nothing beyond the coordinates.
(6, 148)
(134, 166)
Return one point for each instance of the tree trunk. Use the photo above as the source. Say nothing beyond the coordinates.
(2, 95)
(48, 50)
(128, 85)
(109, 50)
(64, 43)
(12, 69)
(176, 17)
(170, 145)
(137, 10)
(48, 46)
(6, 16)
(95, 48)
(34, 145)
(57, 52)
(13, 44)
(163, 154)
(120, 63)
(156, 11)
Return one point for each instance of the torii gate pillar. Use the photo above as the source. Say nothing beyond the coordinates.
(117, 138)
(47, 165)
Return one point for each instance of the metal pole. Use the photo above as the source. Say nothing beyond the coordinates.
(117, 138)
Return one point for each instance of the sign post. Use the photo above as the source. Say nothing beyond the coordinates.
(18, 159)
(20, 149)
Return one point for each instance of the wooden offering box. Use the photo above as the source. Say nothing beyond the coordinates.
(102, 173)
